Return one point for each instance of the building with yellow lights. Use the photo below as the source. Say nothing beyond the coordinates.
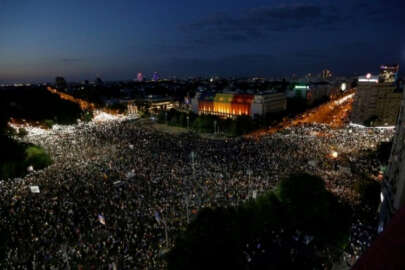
(234, 104)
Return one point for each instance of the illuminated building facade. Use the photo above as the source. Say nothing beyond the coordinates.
(310, 91)
(232, 104)
(154, 103)
(155, 77)
(377, 100)
(389, 73)
(139, 77)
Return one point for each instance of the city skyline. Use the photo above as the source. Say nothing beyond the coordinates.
(228, 38)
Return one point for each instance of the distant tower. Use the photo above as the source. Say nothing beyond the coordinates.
(155, 77)
(140, 77)
(99, 81)
(326, 74)
(60, 83)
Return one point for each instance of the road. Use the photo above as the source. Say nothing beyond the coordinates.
(333, 113)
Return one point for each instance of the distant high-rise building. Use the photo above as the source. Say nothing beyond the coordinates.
(326, 74)
(155, 77)
(99, 81)
(139, 77)
(60, 83)
(389, 73)
(377, 100)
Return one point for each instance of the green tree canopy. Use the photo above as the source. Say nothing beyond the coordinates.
(301, 226)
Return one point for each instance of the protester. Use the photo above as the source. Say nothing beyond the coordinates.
(116, 188)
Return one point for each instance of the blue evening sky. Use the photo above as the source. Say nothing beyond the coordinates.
(42, 39)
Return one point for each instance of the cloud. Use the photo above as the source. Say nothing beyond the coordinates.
(379, 11)
(71, 60)
(259, 23)
(229, 65)
(263, 23)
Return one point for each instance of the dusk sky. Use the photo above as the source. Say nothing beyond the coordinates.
(82, 39)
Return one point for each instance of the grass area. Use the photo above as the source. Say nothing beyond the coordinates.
(16, 157)
(175, 130)
(169, 129)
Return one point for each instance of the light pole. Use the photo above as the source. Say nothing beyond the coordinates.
(166, 117)
(166, 233)
(215, 126)
(188, 122)
(65, 256)
(187, 209)
(249, 173)
(192, 155)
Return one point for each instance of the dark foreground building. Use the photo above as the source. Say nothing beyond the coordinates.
(393, 186)
(387, 251)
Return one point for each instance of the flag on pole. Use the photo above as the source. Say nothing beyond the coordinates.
(101, 219)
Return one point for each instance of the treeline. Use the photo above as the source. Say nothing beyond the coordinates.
(214, 124)
(300, 225)
(36, 104)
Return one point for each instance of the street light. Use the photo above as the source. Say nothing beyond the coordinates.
(186, 199)
(188, 122)
(215, 126)
(249, 173)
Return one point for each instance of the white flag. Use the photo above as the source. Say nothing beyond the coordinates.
(101, 219)
(34, 189)
(254, 195)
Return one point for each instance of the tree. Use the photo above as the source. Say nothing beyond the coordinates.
(4, 117)
(212, 240)
(22, 132)
(244, 237)
(37, 157)
(312, 209)
(384, 151)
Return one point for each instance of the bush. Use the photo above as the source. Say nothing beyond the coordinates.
(87, 116)
(369, 191)
(10, 169)
(16, 157)
(37, 157)
(49, 123)
(22, 132)
(10, 131)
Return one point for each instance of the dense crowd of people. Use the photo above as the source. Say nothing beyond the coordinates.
(118, 192)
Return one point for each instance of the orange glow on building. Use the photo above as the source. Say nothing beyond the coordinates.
(226, 105)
